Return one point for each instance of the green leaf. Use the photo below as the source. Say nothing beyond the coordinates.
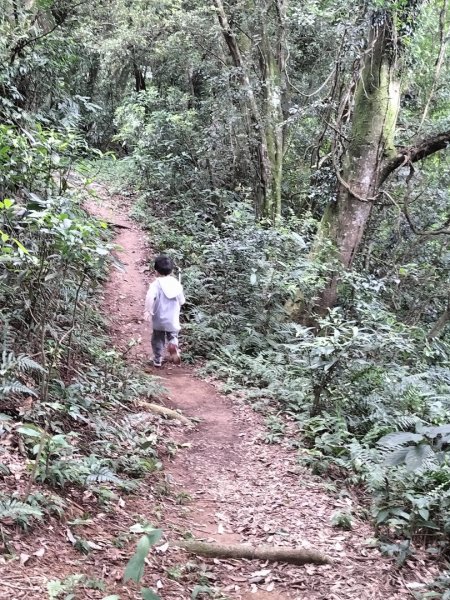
(382, 516)
(148, 594)
(20, 246)
(7, 203)
(397, 457)
(400, 437)
(135, 567)
(149, 530)
(102, 251)
(201, 589)
(113, 597)
(417, 455)
(30, 430)
(154, 536)
(433, 432)
(54, 589)
(424, 513)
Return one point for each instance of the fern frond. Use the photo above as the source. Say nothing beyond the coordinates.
(103, 475)
(15, 387)
(17, 510)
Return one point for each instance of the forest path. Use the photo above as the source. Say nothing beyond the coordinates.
(226, 484)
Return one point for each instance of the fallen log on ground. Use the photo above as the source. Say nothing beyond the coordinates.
(165, 412)
(293, 556)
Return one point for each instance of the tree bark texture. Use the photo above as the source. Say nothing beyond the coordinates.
(441, 323)
(371, 156)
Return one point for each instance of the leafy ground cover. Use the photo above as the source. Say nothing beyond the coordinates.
(71, 443)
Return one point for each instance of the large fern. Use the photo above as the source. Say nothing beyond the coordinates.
(418, 451)
(12, 367)
(18, 512)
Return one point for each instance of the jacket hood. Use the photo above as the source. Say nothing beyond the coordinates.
(170, 286)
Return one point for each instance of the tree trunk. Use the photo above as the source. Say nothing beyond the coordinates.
(370, 157)
(372, 142)
(266, 147)
(273, 72)
(293, 556)
(441, 323)
(139, 78)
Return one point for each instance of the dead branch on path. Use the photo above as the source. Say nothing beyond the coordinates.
(165, 412)
(293, 556)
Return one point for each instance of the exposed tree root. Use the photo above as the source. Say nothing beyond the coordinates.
(293, 556)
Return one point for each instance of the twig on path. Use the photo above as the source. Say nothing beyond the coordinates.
(17, 587)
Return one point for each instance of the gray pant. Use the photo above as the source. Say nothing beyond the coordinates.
(159, 339)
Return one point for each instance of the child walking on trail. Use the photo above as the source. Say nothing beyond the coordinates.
(162, 307)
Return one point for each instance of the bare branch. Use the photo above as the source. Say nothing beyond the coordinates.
(415, 153)
(443, 230)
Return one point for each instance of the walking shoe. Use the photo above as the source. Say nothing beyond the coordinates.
(157, 363)
(174, 353)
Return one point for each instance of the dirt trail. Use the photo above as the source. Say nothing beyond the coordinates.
(224, 483)
(240, 488)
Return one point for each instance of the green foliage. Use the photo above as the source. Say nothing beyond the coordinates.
(59, 376)
(201, 590)
(419, 451)
(135, 568)
(20, 513)
(342, 520)
(148, 594)
(69, 587)
(360, 374)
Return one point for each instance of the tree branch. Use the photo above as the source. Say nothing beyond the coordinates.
(441, 323)
(23, 43)
(415, 153)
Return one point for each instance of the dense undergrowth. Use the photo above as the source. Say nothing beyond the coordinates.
(369, 392)
(62, 384)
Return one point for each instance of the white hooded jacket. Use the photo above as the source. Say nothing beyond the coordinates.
(163, 302)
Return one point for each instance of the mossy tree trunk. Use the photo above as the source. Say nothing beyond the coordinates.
(376, 107)
(375, 113)
(370, 156)
(273, 76)
(265, 111)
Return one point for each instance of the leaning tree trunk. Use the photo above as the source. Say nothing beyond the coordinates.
(372, 143)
